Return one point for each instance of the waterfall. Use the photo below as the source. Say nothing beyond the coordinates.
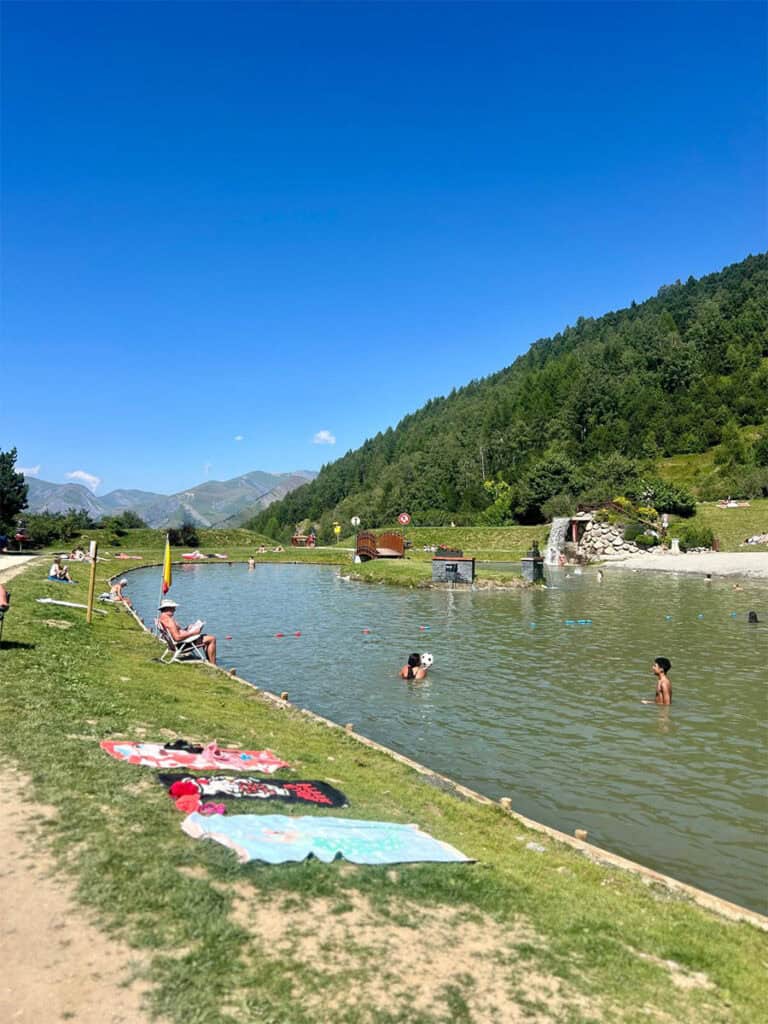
(558, 535)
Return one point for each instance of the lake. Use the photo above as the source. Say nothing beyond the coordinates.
(521, 704)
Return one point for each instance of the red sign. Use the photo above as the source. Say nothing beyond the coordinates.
(403, 519)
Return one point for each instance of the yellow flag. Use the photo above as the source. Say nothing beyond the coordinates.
(167, 578)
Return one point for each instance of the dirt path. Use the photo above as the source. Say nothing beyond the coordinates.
(12, 565)
(57, 966)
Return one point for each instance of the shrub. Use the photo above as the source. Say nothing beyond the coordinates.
(645, 540)
(633, 530)
(695, 535)
(666, 497)
(559, 505)
(183, 537)
(648, 513)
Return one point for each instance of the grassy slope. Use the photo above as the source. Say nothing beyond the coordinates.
(732, 525)
(698, 469)
(61, 690)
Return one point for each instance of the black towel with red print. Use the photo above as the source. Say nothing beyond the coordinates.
(252, 788)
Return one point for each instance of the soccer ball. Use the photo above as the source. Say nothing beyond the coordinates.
(427, 660)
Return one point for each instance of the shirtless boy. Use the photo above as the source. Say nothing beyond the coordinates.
(660, 668)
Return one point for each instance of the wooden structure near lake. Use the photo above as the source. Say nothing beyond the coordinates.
(387, 545)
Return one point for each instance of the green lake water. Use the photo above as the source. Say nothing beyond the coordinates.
(521, 704)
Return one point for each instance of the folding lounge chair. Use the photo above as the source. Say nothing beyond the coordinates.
(189, 649)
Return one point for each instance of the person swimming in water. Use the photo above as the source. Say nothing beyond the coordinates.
(660, 668)
(413, 669)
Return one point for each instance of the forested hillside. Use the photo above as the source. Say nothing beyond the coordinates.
(584, 414)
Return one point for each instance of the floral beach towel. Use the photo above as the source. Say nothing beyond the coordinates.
(155, 755)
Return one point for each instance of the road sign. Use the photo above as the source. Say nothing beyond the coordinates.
(337, 529)
(403, 519)
(355, 520)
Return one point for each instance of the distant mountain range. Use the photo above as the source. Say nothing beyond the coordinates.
(213, 503)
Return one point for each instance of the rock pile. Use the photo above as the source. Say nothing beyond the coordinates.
(602, 540)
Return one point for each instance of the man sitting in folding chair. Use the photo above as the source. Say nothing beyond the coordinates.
(183, 643)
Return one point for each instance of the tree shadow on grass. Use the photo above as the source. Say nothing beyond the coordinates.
(17, 645)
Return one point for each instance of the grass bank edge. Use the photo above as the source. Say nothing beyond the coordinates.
(102, 681)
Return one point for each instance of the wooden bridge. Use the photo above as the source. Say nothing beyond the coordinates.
(386, 545)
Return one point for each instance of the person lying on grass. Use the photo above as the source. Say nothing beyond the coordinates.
(168, 622)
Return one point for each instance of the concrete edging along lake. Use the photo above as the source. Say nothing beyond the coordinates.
(603, 857)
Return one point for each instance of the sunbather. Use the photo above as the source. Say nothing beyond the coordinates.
(59, 572)
(168, 622)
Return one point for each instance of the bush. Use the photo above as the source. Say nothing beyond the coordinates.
(645, 540)
(648, 513)
(183, 537)
(633, 530)
(45, 528)
(559, 505)
(665, 497)
(695, 535)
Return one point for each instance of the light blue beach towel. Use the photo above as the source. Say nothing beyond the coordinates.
(277, 838)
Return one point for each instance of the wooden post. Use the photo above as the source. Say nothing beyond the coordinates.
(92, 582)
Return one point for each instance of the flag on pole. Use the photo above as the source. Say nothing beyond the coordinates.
(167, 578)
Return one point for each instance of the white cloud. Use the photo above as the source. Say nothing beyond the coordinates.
(238, 437)
(29, 470)
(82, 477)
(323, 437)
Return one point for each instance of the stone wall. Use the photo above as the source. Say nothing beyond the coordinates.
(602, 540)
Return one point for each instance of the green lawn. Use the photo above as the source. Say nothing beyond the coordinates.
(537, 933)
(732, 525)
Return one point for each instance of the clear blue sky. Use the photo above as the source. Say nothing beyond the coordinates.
(266, 221)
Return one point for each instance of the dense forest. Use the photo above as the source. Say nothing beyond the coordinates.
(584, 415)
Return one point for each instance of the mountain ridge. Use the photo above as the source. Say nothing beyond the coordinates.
(207, 504)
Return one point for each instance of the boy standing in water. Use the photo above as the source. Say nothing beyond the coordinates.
(660, 668)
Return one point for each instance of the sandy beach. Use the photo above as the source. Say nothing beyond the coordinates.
(753, 565)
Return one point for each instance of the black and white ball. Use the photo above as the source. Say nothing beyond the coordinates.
(427, 660)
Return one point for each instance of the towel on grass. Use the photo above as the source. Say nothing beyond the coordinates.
(248, 787)
(155, 755)
(276, 838)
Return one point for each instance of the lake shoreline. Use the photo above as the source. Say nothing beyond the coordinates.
(750, 565)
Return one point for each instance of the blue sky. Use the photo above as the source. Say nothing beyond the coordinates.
(259, 227)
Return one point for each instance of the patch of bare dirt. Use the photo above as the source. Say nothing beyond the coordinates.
(680, 976)
(56, 965)
(414, 958)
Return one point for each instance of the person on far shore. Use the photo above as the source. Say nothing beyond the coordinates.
(660, 668)
(208, 641)
(413, 669)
